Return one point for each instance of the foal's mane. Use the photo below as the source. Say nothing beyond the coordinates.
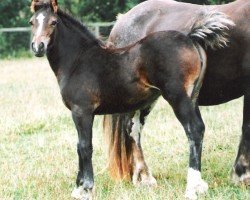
(79, 25)
(84, 30)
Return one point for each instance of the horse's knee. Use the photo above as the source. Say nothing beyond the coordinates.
(85, 149)
(196, 131)
(200, 128)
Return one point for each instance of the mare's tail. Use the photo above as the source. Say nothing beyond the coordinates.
(210, 28)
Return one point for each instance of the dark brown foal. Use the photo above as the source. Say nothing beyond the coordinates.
(96, 80)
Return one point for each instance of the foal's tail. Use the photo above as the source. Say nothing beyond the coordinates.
(119, 146)
(210, 29)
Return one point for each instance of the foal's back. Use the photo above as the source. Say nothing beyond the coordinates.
(137, 74)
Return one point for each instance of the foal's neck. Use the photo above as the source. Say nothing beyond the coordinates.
(71, 40)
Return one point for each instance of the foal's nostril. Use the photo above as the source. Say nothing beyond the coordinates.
(41, 46)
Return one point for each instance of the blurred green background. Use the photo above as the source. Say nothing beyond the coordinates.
(17, 13)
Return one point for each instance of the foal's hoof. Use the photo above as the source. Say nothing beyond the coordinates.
(200, 188)
(195, 185)
(81, 194)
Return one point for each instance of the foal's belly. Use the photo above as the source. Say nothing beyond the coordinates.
(116, 104)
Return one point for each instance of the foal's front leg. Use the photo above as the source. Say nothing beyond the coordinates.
(85, 178)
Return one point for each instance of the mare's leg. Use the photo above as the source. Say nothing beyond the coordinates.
(85, 178)
(241, 169)
(141, 172)
(189, 115)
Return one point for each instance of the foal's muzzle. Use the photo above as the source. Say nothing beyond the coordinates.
(39, 49)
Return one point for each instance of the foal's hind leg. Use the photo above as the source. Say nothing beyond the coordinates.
(188, 114)
(241, 169)
(141, 172)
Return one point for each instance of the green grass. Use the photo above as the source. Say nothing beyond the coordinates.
(38, 158)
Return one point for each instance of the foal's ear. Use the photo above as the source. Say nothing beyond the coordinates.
(32, 6)
(54, 5)
(36, 4)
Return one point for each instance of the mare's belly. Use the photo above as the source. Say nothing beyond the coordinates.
(217, 92)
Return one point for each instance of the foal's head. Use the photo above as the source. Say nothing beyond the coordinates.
(43, 22)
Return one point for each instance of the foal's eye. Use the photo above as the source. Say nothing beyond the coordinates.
(31, 23)
(54, 23)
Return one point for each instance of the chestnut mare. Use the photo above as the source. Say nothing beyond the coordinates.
(94, 79)
(227, 78)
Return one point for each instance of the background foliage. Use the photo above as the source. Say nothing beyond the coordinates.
(17, 13)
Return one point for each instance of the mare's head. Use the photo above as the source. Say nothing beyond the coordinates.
(43, 22)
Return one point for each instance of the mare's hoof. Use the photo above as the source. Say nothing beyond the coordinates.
(148, 180)
(243, 178)
(80, 194)
(142, 177)
(241, 171)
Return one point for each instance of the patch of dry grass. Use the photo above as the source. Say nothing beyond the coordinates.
(38, 157)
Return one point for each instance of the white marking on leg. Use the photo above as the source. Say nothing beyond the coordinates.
(136, 127)
(135, 134)
(80, 194)
(40, 18)
(195, 184)
(77, 193)
(141, 174)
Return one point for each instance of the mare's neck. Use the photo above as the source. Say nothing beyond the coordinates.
(69, 42)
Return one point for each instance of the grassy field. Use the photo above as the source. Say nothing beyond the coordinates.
(38, 158)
